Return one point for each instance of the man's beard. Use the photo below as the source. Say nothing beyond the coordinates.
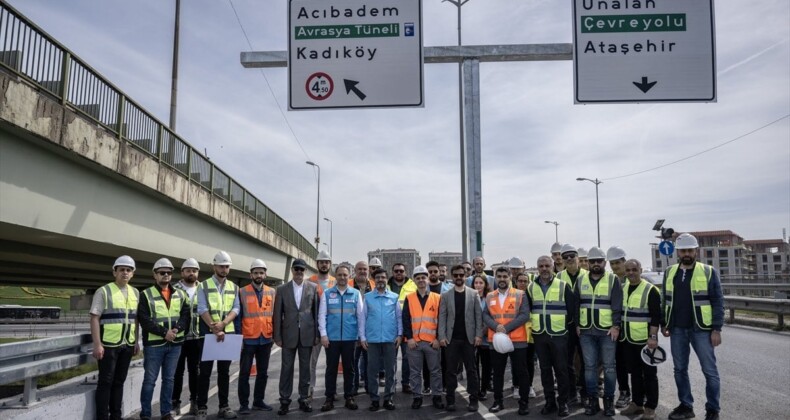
(687, 260)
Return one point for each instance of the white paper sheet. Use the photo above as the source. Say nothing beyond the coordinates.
(229, 349)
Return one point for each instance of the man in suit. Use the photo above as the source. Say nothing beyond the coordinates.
(460, 331)
(296, 331)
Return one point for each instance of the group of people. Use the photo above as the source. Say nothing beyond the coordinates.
(443, 322)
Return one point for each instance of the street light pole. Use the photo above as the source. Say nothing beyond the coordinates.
(556, 231)
(331, 237)
(317, 204)
(597, 182)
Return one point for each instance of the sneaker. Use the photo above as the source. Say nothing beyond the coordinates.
(426, 391)
(374, 406)
(202, 414)
(388, 405)
(244, 410)
(417, 403)
(497, 407)
(711, 415)
(624, 400)
(632, 409)
(351, 404)
(532, 393)
(261, 406)
(473, 406)
(226, 413)
(650, 414)
(523, 408)
(681, 412)
(516, 396)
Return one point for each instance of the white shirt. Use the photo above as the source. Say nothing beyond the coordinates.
(502, 297)
(298, 292)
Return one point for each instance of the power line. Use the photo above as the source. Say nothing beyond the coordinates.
(699, 153)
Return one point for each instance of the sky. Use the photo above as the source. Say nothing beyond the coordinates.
(391, 177)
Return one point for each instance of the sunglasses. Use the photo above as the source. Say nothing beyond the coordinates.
(398, 271)
(459, 274)
(298, 269)
(165, 273)
(568, 257)
(596, 261)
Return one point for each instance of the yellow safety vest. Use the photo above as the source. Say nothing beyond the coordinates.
(564, 276)
(636, 315)
(194, 318)
(408, 288)
(162, 315)
(219, 306)
(117, 320)
(549, 311)
(703, 312)
(595, 306)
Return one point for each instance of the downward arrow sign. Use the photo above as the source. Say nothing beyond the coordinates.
(644, 86)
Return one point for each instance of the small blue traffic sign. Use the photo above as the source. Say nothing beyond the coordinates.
(666, 248)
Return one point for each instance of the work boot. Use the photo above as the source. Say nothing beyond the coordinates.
(417, 403)
(625, 398)
(681, 412)
(523, 408)
(437, 402)
(563, 411)
(351, 404)
(650, 414)
(608, 407)
(592, 407)
(550, 407)
(176, 404)
(473, 406)
(374, 406)
(711, 415)
(497, 406)
(193, 408)
(632, 409)
(329, 405)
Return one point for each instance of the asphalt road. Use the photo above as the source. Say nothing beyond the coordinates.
(753, 364)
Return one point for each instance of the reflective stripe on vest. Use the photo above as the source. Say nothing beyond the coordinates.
(595, 306)
(549, 311)
(194, 317)
(341, 314)
(636, 315)
(503, 315)
(424, 321)
(703, 311)
(256, 319)
(564, 276)
(162, 315)
(116, 323)
(219, 306)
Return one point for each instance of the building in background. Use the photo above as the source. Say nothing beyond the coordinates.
(408, 257)
(769, 259)
(449, 258)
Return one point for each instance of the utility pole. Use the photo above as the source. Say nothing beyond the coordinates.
(174, 85)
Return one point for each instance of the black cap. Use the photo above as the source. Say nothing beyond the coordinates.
(299, 263)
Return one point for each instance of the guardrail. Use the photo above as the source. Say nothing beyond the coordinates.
(780, 307)
(30, 53)
(27, 360)
(776, 290)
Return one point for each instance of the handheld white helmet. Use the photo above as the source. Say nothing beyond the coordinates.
(222, 258)
(653, 357)
(502, 343)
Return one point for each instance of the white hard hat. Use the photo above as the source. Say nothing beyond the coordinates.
(568, 248)
(615, 253)
(502, 343)
(686, 241)
(375, 262)
(163, 263)
(222, 258)
(124, 260)
(420, 269)
(557, 247)
(257, 263)
(323, 256)
(653, 357)
(596, 254)
(515, 262)
(190, 263)
(582, 252)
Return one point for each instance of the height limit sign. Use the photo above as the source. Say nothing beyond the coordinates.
(355, 54)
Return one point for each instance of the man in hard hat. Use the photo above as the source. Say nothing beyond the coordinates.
(583, 259)
(256, 301)
(641, 319)
(600, 297)
(553, 308)
(506, 311)
(373, 265)
(420, 328)
(402, 285)
(479, 265)
(296, 332)
(460, 331)
(616, 257)
(340, 326)
(556, 255)
(693, 314)
(113, 330)
(364, 284)
(381, 335)
(163, 315)
(323, 280)
(218, 306)
(571, 275)
(190, 349)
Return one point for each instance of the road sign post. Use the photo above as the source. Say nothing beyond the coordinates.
(644, 51)
(666, 248)
(355, 54)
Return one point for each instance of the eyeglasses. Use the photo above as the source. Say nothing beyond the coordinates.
(503, 277)
(298, 269)
(568, 257)
(398, 271)
(459, 275)
(165, 273)
(433, 271)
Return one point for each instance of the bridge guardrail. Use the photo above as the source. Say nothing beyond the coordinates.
(780, 307)
(775, 290)
(27, 360)
(30, 53)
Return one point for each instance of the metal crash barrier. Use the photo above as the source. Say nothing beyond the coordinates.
(780, 307)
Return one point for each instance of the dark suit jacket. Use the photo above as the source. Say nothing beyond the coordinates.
(473, 317)
(296, 327)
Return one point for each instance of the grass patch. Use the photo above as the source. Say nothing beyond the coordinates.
(5, 340)
(38, 296)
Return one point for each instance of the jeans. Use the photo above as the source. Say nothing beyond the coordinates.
(261, 353)
(552, 356)
(594, 348)
(204, 379)
(113, 368)
(680, 339)
(381, 355)
(337, 351)
(461, 351)
(189, 359)
(360, 367)
(164, 358)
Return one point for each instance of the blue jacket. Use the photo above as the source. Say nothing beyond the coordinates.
(341, 314)
(382, 316)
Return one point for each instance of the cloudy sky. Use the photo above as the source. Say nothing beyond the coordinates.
(390, 177)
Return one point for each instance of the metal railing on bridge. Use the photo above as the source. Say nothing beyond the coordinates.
(30, 53)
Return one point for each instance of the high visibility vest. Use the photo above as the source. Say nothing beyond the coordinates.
(341, 314)
(117, 320)
(636, 315)
(194, 318)
(256, 318)
(595, 306)
(424, 321)
(381, 324)
(703, 311)
(564, 276)
(504, 314)
(219, 305)
(162, 315)
(321, 287)
(549, 311)
(408, 288)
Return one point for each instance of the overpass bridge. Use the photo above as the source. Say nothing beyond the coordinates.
(87, 174)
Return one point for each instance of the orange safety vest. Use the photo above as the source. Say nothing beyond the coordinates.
(256, 318)
(329, 285)
(424, 320)
(503, 315)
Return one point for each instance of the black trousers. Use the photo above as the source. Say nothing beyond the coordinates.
(553, 358)
(189, 360)
(621, 366)
(337, 351)
(204, 378)
(484, 368)
(461, 351)
(113, 368)
(519, 361)
(530, 365)
(261, 354)
(574, 380)
(644, 379)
